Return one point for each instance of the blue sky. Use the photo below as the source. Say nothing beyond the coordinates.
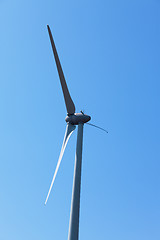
(110, 53)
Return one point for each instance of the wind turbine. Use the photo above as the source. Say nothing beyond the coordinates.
(72, 120)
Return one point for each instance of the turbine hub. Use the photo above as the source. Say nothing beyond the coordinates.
(77, 118)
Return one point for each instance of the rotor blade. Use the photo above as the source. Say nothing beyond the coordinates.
(70, 128)
(97, 127)
(68, 100)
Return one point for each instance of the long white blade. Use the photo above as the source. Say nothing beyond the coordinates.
(68, 100)
(69, 129)
(97, 127)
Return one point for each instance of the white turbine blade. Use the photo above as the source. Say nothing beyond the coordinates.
(97, 127)
(68, 100)
(69, 129)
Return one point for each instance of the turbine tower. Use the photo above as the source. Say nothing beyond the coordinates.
(72, 120)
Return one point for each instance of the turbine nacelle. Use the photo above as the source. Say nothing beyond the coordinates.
(77, 118)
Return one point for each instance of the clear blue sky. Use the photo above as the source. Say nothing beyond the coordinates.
(110, 53)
